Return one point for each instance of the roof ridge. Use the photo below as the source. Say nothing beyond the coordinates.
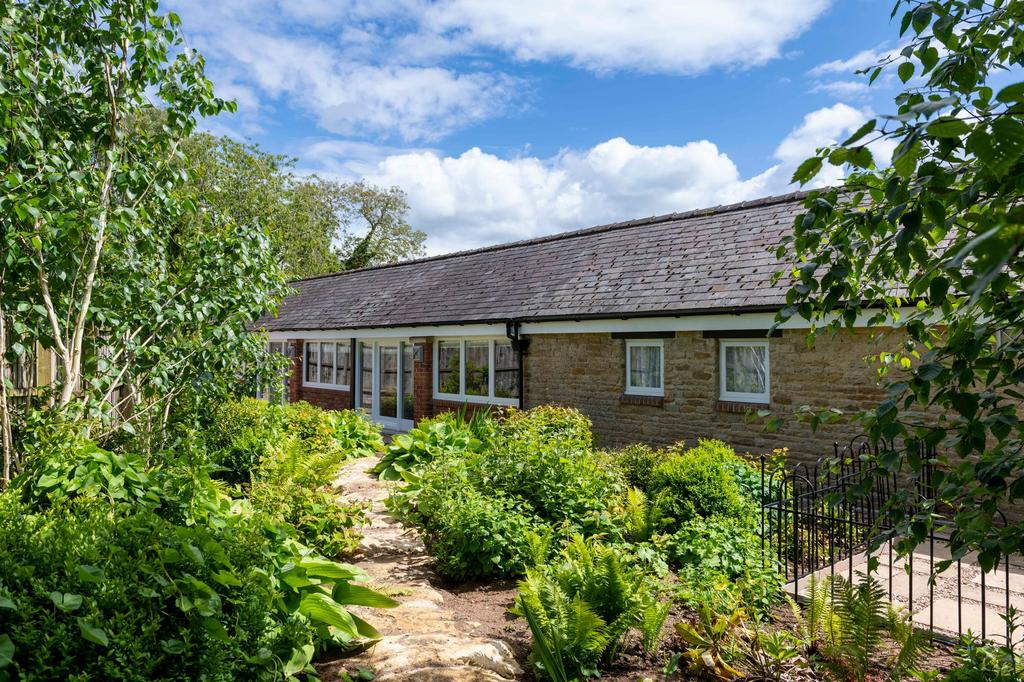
(583, 232)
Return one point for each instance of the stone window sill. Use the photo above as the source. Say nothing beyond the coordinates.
(647, 400)
(734, 407)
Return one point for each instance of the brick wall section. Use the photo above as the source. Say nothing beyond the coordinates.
(423, 380)
(327, 398)
(588, 371)
(295, 376)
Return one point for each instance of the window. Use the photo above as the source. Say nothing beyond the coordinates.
(328, 364)
(744, 371)
(644, 367)
(476, 370)
(478, 367)
(448, 361)
(312, 363)
(343, 363)
(506, 370)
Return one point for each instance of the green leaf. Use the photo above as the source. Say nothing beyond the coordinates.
(320, 608)
(806, 171)
(331, 570)
(905, 71)
(92, 633)
(861, 132)
(357, 595)
(300, 658)
(66, 601)
(6, 651)
(90, 574)
(948, 126)
(1011, 93)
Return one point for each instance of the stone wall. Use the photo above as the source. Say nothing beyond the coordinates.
(587, 371)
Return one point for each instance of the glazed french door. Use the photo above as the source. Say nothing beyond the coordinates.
(386, 382)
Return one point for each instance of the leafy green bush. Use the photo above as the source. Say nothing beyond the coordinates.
(317, 517)
(313, 441)
(981, 662)
(346, 432)
(473, 535)
(557, 483)
(580, 606)
(99, 586)
(698, 483)
(636, 462)
(431, 438)
(240, 433)
(550, 424)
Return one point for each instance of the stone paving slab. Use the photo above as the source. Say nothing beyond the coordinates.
(946, 621)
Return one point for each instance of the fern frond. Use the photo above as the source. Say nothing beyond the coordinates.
(652, 624)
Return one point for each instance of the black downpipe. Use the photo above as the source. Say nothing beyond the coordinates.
(513, 330)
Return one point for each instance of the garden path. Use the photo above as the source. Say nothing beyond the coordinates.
(423, 639)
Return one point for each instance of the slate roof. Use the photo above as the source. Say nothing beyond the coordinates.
(704, 261)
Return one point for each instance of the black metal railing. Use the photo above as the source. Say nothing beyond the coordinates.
(831, 517)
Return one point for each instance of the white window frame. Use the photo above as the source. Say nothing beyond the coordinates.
(319, 350)
(462, 397)
(737, 396)
(645, 390)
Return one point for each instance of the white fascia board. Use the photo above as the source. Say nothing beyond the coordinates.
(683, 323)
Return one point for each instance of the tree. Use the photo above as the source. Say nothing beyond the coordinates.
(388, 238)
(940, 230)
(260, 189)
(108, 262)
(314, 223)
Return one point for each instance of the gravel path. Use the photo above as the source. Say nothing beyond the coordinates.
(423, 638)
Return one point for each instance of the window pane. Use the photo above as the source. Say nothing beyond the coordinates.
(448, 367)
(506, 370)
(645, 367)
(746, 369)
(388, 381)
(477, 367)
(408, 401)
(327, 362)
(343, 364)
(312, 361)
(366, 376)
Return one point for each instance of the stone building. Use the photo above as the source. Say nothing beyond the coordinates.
(657, 329)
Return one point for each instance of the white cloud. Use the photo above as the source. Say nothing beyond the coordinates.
(843, 89)
(477, 198)
(862, 60)
(648, 35)
(420, 69)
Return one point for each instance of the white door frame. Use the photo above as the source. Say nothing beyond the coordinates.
(399, 422)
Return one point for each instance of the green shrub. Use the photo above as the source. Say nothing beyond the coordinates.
(698, 483)
(580, 606)
(719, 562)
(557, 483)
(550, 424)
(239, 436)
(96, 586)
(318, 518)
(245, 432)
(638, 461)
(473, 535)
(347, 432)
(430, 439)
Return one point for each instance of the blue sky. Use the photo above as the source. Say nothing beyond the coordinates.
(510, 119)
